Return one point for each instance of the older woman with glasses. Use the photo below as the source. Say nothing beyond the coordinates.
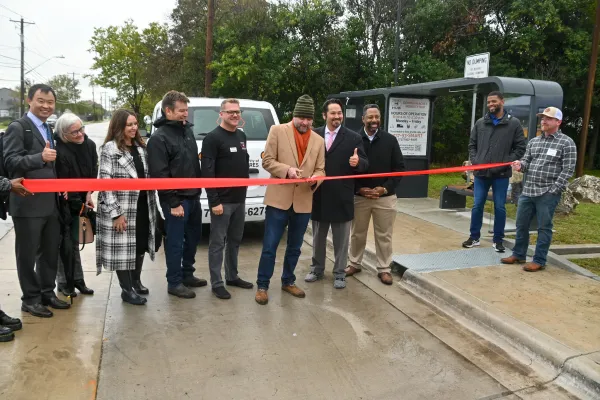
(76, 157)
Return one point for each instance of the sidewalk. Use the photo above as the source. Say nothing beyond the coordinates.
(551, 318)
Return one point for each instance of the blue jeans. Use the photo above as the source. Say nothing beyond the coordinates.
(543, 208)
(481, 188)
(183, 236)
(275, 223)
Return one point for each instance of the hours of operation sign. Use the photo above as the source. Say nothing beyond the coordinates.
(408, 121)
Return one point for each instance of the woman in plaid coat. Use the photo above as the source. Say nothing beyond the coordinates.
(126, 220)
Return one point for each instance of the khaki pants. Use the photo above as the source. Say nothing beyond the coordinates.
(383, 211)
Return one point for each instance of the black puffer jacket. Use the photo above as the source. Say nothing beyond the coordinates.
(504, 142)
(173, 153)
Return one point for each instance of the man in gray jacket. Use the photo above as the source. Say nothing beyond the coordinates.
(29, 153)
(495, 138)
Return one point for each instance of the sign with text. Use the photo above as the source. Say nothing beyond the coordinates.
(409, 122)
(477, 66)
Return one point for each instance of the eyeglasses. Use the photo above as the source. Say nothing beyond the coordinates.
(78, 131)
(232, 112)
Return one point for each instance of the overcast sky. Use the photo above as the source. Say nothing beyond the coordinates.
(65, 28)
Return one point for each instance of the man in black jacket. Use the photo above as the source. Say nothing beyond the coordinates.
(224, 155)
(376, 196)
(497, 137)
(333, 201)
(173, 153)
(7, 324)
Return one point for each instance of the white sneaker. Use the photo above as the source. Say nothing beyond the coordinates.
(339, 283)
(313, 277)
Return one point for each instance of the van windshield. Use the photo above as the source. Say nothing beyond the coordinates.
(255, 123)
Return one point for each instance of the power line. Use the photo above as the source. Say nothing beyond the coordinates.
(10, 58)
(14, 12)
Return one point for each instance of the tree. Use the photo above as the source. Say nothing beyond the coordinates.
(65, 87)
(124, 58)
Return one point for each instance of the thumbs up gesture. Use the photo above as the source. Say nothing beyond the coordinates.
(354, 159)
(48, 154)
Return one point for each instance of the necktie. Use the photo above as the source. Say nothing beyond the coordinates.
(329, 141)
(47, 133)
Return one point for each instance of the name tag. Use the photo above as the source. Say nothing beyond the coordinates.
(233, 149)
(551, 152)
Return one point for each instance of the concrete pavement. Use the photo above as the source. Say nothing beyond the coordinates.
(368, 341)
(348, 344)
(550, 318)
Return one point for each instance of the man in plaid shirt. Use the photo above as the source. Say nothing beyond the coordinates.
(549, 162)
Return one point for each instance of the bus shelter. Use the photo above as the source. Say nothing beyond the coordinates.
(407, 113)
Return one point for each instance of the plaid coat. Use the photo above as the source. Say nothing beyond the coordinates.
(117, 251)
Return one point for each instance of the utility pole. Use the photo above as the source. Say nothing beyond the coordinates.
(74, 93)
(105, 104)
(94, 103)
(209, 47)
(22, 22)
(588, 94)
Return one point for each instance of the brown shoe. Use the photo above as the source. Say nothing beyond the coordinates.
(511, 260)
(533, 267)
(385, 277)
(350, 270)
(293, 290)
(261, 296)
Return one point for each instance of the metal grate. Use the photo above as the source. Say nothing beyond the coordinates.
(450, 260)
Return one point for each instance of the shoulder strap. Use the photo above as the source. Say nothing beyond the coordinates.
(27, 133)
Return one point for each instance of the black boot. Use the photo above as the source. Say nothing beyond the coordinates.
(6, 334)
(137, 283)
(128, 294)
(65, 291)
(82, 287)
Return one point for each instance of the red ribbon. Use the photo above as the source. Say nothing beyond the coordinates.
(99, 185)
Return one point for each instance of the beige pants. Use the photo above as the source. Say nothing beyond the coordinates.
(383, 211)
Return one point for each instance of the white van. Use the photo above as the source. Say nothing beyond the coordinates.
(257, 119)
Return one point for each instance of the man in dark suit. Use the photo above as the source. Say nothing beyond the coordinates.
(333, 202)
(29, 153)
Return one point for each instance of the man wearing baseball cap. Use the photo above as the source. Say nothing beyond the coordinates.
(548, 163)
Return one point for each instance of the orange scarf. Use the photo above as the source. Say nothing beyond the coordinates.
(301, 143)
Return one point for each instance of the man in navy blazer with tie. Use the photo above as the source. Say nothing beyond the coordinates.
(35, 218)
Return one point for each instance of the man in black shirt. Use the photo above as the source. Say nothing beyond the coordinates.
(173, 153)
(376, 196)
(224, 155)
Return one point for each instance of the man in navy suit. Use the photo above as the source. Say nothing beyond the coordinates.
(29, 153)
(333, 201)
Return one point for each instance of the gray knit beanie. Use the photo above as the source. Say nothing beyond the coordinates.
(305, 107)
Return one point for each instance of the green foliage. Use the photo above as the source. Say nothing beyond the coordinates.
(125, 60)
(66, 88)
(278, 50)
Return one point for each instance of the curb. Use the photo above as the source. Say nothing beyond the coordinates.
(572, 369)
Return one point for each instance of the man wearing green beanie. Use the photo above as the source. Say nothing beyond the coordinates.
(292, 151)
